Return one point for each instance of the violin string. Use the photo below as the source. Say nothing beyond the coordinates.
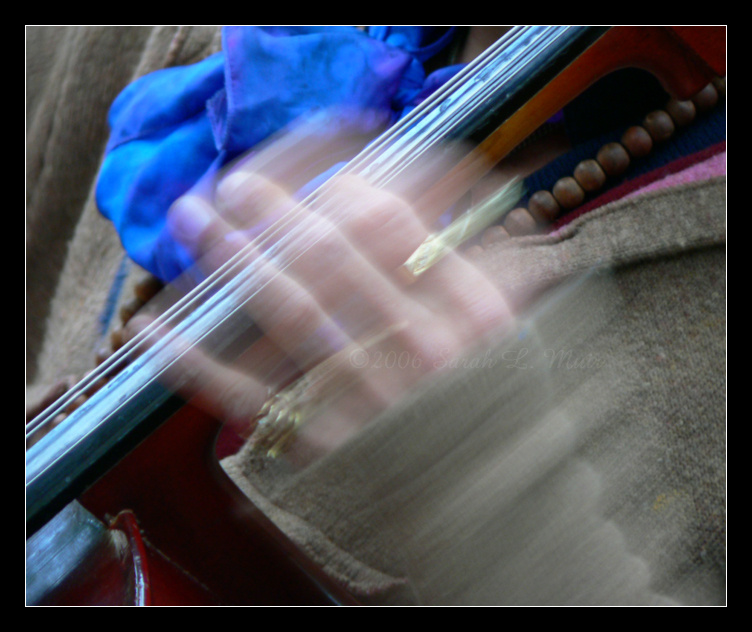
(210, 282)
(385, 180)
(477, 66)
(439, 133)
(386, 176)
(227, 268)
(299, 251)
(364, 155)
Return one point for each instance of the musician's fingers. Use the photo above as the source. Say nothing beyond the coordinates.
(457, 289)
(233, 395)
(195, 224)
(213, 238)
(236, 394)
(249, 201)
(387, 230)
(333, 275)
(324, 262)
(383, 226)
(268, 362)
(284, 309)
(226, 393)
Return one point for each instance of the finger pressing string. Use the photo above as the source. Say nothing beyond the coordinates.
(247, 201)
(281, 306)
(313, 250)
(225, 393)
(457, 289)
(383, 226)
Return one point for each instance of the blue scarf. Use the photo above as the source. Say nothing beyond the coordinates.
(173, 127)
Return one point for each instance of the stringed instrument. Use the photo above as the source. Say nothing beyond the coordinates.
(156, 520)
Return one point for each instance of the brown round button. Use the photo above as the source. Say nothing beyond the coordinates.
(590, 175)
(637, 141)
(706, 98)
(147, 288)
(682, 112)
(543, 207)
(659, 125)
(568, 193)
(613, 158)
(720, 85)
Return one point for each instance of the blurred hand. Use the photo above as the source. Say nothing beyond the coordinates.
(333, 300)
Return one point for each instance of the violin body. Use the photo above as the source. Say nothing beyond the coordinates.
(195, 538)
(201, 523)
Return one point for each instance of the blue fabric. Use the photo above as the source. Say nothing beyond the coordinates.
(171, 128)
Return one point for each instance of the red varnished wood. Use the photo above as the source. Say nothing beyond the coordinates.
(172, 586)
(708, 42)
(680, 68)
(202, 523)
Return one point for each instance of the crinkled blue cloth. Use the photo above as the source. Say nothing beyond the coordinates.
(174, 126)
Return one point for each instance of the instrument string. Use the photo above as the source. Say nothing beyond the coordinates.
(275, 229)
(353, 167)
(358, 163)
(409, 151)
